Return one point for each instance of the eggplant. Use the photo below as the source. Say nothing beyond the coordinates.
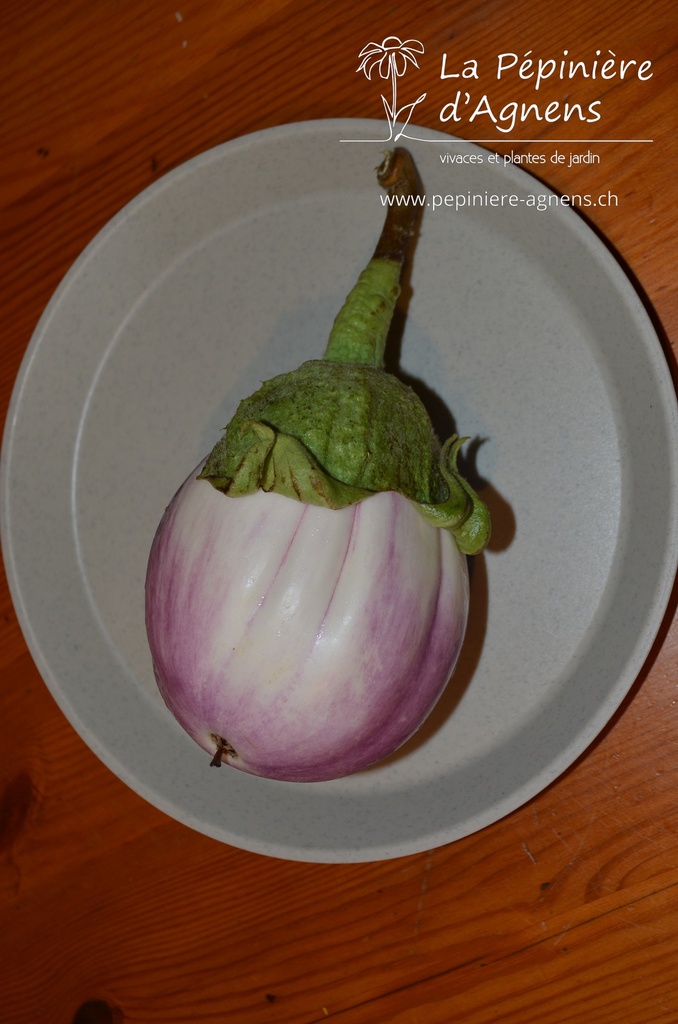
(307, 588)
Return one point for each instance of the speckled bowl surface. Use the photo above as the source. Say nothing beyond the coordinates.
(522, 331)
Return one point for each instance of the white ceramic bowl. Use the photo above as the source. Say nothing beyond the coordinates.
(525, 334)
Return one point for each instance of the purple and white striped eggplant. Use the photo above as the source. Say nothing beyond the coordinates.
(305, 642)
(307, 588)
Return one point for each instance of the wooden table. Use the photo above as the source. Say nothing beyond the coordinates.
(565, 911)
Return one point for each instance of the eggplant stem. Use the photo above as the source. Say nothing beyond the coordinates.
(361, 327)
(399, 176)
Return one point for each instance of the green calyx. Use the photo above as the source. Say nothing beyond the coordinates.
(338, 429)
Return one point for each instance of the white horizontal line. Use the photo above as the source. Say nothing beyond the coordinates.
(443, 142)
(590, 142)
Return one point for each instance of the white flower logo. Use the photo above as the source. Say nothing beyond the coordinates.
(391, 57)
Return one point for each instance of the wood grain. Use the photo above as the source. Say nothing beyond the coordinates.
(565, 912)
